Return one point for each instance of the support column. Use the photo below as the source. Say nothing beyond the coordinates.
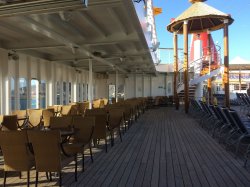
(240, 79)
(176, 98)
(17, 89)
(209, 82)
(186, 86)
(226, 65)
(5, 86)
(90, 85)
(150, 85)
(143, 94)
(116, 86)
(135, 85)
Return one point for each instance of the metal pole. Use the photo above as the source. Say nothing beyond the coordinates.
(226, 65)
(176, 99)
(90, 87)
(186, 86)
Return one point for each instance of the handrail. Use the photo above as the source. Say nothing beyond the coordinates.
(180, 70)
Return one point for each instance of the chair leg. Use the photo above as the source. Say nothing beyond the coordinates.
(76, 167)
(20, 175)
(120, 134)
(36, 178)
(5, 176)
(60, 178)
(28, 178)
(90, 150)
(106, 145)
(83, 161)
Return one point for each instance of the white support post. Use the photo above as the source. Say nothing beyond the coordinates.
(143, 94)
(28, 82)
(135, 86)
(116, 86)
(17, 91)
(150, 85)
(4, 78)
(90, 87)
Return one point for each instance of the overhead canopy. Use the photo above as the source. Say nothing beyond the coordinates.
(71, 32)
(200, 17)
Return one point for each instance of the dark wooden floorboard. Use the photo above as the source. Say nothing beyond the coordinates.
(164, 147)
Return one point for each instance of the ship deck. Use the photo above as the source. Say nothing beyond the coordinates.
(164, 147)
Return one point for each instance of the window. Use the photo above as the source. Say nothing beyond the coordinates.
(12, 94)
(64, 93)
(34, 93)
(42, 94)
(58, 91)
(23, 93)
(111, 93)
(70, 92)
(169, 88)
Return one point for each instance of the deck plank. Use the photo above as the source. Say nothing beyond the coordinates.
(164, 147)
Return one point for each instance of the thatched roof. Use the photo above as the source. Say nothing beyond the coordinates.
(201, 17)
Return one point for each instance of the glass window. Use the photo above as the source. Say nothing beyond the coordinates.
(42, 94)
(12, 93)
(23, 93)
(83, 92)
(70, 91)
(111, 93)
(58, 91)
(34, 93)
(64, 93)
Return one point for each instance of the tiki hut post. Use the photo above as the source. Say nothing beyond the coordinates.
(176, 98)
(226, 64)
(185, 64)
(209, 81)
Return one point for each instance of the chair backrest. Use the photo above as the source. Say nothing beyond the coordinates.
(116, 116)
(220, 113)
(35, 116)
(47, 150)
(238, 121)
(96, 103)
(84, 128)
(100, 122)
(66, 110)
(9, 123)
(105, 101)
(102, 105)
(47, 114)
(63, 122)
(86, 104)
(81, 108)
(74, 109)
(17, 156)
(229, 118)
(19, 113)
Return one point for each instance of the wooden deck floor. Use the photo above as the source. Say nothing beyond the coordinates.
(164, 148)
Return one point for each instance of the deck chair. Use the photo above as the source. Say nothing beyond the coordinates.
(9, 123)
(100, 130)
(84, 127)
(115, 120)
(16, 153)
(35, 117)
(63, 122)
(49, 153)
(244, 131)
(21, 114)
(66, 109)
(47, 114)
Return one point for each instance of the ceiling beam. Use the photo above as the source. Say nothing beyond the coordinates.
(93, 23)
(117, 20)
(51, 6)
(42, 29)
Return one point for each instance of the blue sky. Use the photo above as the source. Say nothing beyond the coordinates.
(239, 31)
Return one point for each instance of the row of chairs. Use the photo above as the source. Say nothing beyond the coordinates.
(224, 124)
(96, 124)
